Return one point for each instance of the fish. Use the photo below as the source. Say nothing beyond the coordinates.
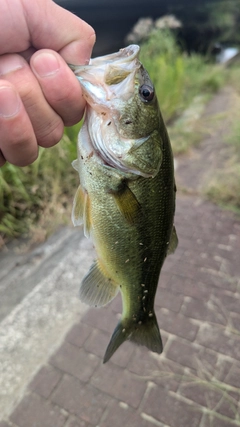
(126, 196)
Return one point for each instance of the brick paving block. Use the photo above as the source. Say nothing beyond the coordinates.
(230, 302)
(216, 421)
(118, 415)
(212, 278)
(98, 342)
(164, 279)
(123, 354)
(79, 334)
(168, 409)
(200, 392)
(45, 381)
(156, 369)
(170, 375)
(144, 363)
(116, 304)
(233, 376)
(186, 269)
(203, 310)
(190, 288)
(35, 411)
(177, 324)
(229, 406)
(183, 353)
(75, 361)
(207, 363)
(101, 318)
(235, 322)
(82, 400)
(215, 338)
(119, 383)
(136, 420)
(169, 300)
(77, 423)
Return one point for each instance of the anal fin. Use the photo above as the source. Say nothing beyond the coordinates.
(97, 289)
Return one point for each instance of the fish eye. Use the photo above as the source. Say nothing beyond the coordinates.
(146, 93)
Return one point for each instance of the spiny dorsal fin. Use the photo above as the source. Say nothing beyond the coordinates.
(96, 288)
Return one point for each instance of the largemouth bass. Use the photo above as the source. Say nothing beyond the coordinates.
(126, 197)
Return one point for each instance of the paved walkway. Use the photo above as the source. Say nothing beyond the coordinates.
(194, 383)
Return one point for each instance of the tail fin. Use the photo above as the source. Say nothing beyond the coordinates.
(146, 333)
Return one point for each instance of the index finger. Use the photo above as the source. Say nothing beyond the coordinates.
(63, 32)
(44, 24)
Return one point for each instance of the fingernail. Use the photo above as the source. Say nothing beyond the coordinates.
(9, 102)
(45, 64)
(10, 63)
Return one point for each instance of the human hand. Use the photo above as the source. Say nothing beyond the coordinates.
(39, 94)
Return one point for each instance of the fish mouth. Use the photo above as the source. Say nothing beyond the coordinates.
(123, 56)
(107, 76)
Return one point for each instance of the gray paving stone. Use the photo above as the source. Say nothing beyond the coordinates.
(82, 400)
(118, 414)
(201, 310)
(120, 384)
(77, 423)
(75, 361)
(101, 318)
(183, 353)
(216, 338)
(45, 381)
(177, 324)
(35, 411)
(171, 411)
(79, 334)
(97, 344)
(167, 299)
(216, 421)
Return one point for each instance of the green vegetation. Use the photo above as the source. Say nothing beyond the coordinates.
(39, 197)
(224, 187)
(178, 78)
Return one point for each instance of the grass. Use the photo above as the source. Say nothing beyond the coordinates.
(39, 195)
(37, 198)
(178, 78)
(224, 186)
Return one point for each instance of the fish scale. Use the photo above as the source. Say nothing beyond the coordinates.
(126, 197)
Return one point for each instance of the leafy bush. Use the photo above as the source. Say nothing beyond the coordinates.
(177, 77)
(26, 194)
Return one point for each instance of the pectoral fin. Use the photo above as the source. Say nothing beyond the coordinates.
(97, 289)
(127, 203)
(81, 210)
(75, 165)
(173, 241)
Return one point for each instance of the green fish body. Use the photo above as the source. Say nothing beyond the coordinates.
(126, 197)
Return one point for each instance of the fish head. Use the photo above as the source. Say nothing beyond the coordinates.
(122, 112)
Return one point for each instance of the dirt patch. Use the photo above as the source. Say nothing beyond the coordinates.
(195, 169)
